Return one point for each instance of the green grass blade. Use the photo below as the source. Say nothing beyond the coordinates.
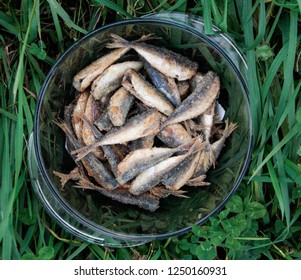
(178, 4)
(261, 28)
(55, 6)
(299, 4)
(113, 6)
(8, 114)
(276, 186)
(6, 24)
(289, 65)
(207, 17)
(255, 100)
(295, 130)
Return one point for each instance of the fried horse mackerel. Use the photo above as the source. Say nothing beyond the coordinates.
(145, 124)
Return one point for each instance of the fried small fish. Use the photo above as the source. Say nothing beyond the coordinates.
(112, 153)
(164, 84)
(141, 125)
(182, 173)
(119, 106)
(142, 143)
(183, 88)
(198, 101)
(153, 175)
(86, 76)
(103, 122)
(173, 135)
(111, 78)
(196, 80)
(145, 92)
(91, 163)
(139, 160)
(146, 201)
(91, 113)
(79, 109)
(171, 64)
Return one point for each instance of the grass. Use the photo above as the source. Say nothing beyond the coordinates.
(262, 221)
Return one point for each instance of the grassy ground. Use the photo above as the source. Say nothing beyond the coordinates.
(262, 221)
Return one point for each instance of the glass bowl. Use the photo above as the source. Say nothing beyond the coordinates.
(97, 219)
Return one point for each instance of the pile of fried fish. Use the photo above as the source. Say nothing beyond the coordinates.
(141, 129)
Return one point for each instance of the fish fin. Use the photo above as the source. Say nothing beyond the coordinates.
(82, 152)
(162, 192)
(207, 157)
(64, 178)
(84, 183)
(198, 181)
(230, 127)
(198, 184)
(119, 42)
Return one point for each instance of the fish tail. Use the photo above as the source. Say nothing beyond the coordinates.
(63, 126)
(117, 42)
(82, 152)
(230, 127)
(84, 183)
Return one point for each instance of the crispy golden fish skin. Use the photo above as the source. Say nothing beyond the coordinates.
(146, 201)
(164, 84)
(86, 76)
(119, 106)
(79, 109)
(142, 143)
(196, 80)
(111, 152)
(145, 92)
(198, 101)
(153, 175)
(91, 163)
(141, 125)
(139, 160)
(171, 64)
(180, 175)
(111, 78)
(173, 135)
(183, 89)
(91, 113)
(103, 122)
